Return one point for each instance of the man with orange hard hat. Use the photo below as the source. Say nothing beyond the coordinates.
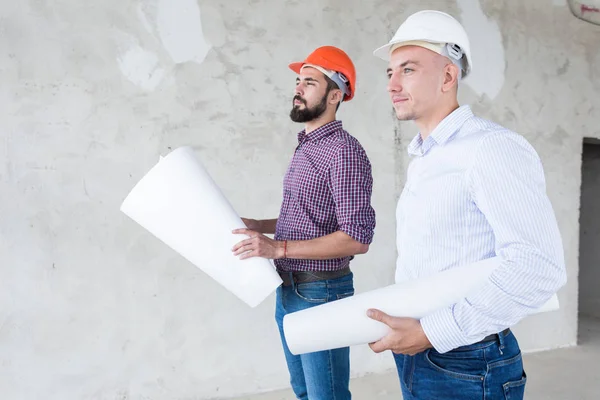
(325, 220)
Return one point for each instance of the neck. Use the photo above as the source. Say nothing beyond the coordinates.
(319, 122)
(428, 123)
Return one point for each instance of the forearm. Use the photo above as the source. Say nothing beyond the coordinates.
(335, 245)
(515, 289)
(267, 226)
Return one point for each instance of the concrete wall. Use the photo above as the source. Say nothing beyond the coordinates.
(589, 247)
(92, 306)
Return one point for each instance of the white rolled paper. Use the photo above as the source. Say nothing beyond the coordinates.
(345, 323)
(179, 203)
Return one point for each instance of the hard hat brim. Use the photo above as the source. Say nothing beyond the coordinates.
(296, 67)
(383, 52)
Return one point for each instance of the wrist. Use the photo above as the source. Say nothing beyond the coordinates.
(283, 248)
(424, 339)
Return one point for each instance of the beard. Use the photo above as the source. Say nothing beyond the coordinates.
(307, 114)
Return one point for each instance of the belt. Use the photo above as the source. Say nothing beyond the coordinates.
(310, 276)
(494, 337)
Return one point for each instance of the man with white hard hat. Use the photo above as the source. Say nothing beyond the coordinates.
(474, 190)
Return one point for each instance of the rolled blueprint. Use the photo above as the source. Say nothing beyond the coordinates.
(345, 323)
(179, 203)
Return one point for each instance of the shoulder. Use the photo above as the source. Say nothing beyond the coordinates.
(343, 142)
(489, 140)
(348, 150)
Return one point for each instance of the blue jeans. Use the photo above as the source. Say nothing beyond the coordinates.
(488, 370)
(322, 375)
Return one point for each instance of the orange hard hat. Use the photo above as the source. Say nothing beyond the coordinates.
(333, 59)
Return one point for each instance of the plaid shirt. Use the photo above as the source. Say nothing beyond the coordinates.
(327, 188)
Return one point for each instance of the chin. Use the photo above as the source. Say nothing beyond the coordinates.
(405, 115)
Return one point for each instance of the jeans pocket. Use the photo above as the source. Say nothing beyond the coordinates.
(469, 366)
(515, 390)
(312, 292)
(346, 293)
(340, 288)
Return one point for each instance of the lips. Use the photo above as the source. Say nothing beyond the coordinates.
(398, 99)
(298, 100)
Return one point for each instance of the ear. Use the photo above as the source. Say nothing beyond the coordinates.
(335, 96)
(451, 73)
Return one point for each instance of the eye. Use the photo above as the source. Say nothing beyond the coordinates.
(407, 70)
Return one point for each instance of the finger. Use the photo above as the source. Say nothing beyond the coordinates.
(243, 243)
(244, 231)
(379, 315)
(243, 249)
(378, 346)
(248, 254)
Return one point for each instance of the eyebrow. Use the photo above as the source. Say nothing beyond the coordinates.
(404, 64)
(307, 79)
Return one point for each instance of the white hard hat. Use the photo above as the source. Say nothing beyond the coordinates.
(433, 27)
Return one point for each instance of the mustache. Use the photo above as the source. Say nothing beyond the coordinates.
(297, 97)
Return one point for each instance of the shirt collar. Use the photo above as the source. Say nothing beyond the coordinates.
(320, 133)
(442, 133)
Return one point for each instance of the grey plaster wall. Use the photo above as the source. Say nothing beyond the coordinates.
(91, 305)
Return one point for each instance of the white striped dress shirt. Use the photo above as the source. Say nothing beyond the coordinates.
(476, 190)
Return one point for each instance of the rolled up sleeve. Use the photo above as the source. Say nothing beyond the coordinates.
(352, 185)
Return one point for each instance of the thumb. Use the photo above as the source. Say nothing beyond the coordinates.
(378, 315)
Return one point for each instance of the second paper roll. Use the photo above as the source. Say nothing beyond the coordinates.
(345, 323)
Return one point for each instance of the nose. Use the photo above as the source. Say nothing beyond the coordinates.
(394, 83)
(299, 89)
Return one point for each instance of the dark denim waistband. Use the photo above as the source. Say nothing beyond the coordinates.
(311, 276)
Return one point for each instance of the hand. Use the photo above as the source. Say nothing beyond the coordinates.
(252, 224)
(407, 335)
(258, 245)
